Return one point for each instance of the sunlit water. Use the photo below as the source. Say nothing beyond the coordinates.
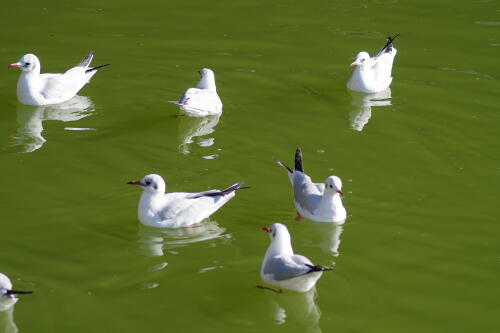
(419, 250)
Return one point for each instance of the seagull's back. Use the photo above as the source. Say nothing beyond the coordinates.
(307, 194)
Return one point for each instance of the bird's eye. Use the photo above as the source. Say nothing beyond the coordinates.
(331, 186)
(26, 63)
(148, 182)
(362, 60)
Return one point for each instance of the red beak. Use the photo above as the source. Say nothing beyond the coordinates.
(135, 182)
(266, 229)
(340, 192)
(16, 64)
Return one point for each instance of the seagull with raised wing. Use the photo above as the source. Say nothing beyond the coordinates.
(372, 75)
(34, 88)
(203, 100)
(320, 202)
(7, 294)
(284, 269)
(178, 209)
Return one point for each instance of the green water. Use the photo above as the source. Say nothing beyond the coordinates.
(419, 250)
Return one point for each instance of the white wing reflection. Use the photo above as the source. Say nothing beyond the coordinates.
(30, 119)
(192, 127)
(296, 310)
(156, 241)
(360, 116)
(7, 323)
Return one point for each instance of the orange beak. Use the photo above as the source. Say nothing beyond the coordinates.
(135, 182)
(16, 64)
(340, 192)
(266, 229)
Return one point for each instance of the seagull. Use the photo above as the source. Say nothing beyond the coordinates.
(7, 294)
(373, 74)
(203, 100)
(34, 88)
(178, 209)
(320, 202)
(284, 269)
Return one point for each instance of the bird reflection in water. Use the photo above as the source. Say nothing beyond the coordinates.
(363, 102)
(295, 310)
(331, 239)
(192, 127)
(30, 118)
(156, 241)
(7, 324)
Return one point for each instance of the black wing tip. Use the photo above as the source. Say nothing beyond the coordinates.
(96, 68)
(388, 45)
(225, 192)
(316, 268)
(298, 160)
(282, 165)
(18, 292)
(87, 60)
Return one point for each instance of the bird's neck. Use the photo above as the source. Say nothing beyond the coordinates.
(279, 247)
(207, 83)
(29, 87)
(331, 199)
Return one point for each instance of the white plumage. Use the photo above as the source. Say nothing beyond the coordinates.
(284, 269)
(178, 209)
(203, 100)
(372, 75)
(320, 202)
(34, 88)
(7, 294)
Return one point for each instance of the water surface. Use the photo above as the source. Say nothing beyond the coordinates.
(419, 250)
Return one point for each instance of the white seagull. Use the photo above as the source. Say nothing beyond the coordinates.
(320, 202)
(178, 209)
(7, 294)
(284, 269)
(203, 100)
(34, 88)
(372, 75)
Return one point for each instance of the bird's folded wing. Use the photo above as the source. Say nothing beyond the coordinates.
(58, 86)
(305, 192)
(383, 66)
(284, 268)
